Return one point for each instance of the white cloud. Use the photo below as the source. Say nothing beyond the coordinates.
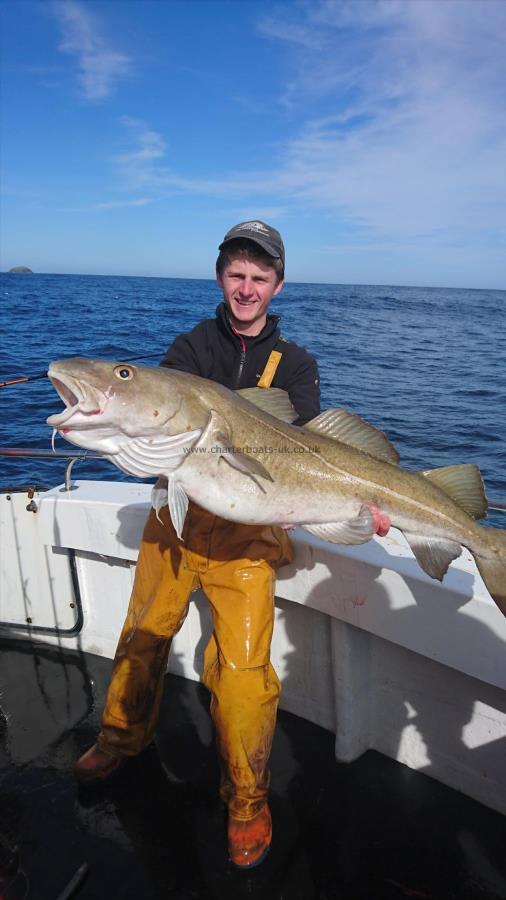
(143, 165)
(147, 144)
(99, 65)
(400, 127)
(116, 204)
(404, 120)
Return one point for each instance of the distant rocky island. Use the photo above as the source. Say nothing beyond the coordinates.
(23, 269)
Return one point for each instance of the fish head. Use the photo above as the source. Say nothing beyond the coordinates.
(108, 403)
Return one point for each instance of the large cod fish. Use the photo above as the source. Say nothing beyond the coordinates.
(242, 463)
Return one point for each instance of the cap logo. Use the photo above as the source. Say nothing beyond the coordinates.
(255, 226)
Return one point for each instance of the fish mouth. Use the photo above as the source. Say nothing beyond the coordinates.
(82, 401)
(66, 394)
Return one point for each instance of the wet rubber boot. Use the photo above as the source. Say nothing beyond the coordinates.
(96, 765)
(249, 840)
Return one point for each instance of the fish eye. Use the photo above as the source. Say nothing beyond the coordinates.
(125, 373)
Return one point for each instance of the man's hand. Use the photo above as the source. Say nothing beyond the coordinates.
(381, 521)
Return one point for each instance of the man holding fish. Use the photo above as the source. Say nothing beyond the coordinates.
(235, 564)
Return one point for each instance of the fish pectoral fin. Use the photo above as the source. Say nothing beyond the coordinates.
(245, 464)
(178, 506)
(274, 401)
(219, 440)
(463, 483)
(352, 531)
(434, 555)
(346, 427)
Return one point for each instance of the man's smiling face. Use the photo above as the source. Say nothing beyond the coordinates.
(248, 288)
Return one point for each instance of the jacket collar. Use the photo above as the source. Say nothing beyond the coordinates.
(269, 328)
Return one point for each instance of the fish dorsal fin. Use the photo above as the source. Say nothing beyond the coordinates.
(274, 401)
(350, 429)
(463, 483)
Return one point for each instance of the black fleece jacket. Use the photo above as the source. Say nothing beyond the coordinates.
(213, 350)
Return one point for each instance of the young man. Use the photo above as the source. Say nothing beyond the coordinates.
(234, 564)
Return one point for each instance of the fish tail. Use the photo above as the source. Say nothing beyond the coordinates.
(493, 569)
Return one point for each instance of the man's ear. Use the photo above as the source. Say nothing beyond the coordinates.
(219, 279)
(278, 288)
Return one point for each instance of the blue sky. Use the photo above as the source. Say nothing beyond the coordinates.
(372, 134)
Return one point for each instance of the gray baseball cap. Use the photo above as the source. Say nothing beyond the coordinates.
(264, 235)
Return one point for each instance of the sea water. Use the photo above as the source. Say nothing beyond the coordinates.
(426, 365)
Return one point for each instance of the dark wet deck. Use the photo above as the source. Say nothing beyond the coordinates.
(370, 830)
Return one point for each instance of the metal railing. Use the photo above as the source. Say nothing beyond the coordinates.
(71, 456)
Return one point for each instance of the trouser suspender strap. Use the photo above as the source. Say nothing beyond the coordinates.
(269, 372)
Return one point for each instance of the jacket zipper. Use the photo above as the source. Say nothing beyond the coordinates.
(242, 359)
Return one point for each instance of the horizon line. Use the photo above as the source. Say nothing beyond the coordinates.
(440, 287)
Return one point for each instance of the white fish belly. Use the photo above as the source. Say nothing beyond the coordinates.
(238, 497)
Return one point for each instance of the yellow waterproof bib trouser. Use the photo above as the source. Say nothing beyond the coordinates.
(235, 565)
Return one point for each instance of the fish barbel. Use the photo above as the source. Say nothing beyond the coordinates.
(241, 463)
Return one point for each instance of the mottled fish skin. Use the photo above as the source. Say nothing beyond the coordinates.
(241, 463)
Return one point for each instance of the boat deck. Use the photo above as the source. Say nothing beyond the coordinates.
(368, 830)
